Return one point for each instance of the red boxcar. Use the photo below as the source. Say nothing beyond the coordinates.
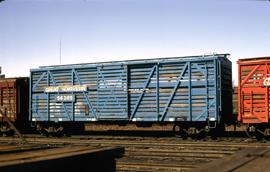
(253, 93)
(14, 102)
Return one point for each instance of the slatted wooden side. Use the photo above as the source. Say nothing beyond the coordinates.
(8, 98)
(253, 106)
(154, 90)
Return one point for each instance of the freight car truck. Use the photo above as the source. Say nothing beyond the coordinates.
(194, 93)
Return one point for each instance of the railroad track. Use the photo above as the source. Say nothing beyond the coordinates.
(153, 153)
(43, 158)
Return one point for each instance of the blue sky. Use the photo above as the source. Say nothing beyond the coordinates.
(105, 30)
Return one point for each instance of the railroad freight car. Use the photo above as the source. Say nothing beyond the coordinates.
(253, 95)
(14, 103)
(194, 93)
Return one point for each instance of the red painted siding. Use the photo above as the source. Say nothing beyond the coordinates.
(253, 90)
(8, 98)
